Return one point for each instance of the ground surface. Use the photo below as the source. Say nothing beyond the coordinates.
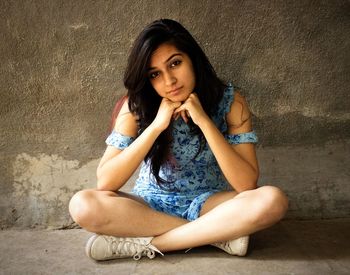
(290, 247)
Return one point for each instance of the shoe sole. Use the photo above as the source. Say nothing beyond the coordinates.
(239, 249)
(244, 246)
(89, 245)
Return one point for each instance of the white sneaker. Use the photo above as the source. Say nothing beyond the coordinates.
(237, 247)
(102, 247)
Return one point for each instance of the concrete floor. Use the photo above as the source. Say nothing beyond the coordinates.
(290, 247)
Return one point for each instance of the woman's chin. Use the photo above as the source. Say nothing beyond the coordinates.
(179, 98)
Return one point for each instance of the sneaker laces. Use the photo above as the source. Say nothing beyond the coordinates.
(149, 251)
(133, 247)
(223, 244)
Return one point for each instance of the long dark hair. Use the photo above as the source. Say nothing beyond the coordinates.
(144, 101)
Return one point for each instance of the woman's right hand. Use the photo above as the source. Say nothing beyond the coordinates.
(165, 114)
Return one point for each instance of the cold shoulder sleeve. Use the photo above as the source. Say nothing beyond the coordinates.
(249, 137)
(119, 140)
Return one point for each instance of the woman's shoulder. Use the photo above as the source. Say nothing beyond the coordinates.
(238, 110)
(126, 121)
(233, 97)
(230, 94)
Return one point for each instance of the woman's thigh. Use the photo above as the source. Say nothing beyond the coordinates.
(120, 214)
(267, 202)
(91, 205)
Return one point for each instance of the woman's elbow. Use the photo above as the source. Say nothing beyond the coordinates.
(107, 182)
(246, 187)
(103, 183)
(248, 184)
(253, 182)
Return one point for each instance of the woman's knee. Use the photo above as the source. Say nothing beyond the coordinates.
(272, 204)
(83, 207)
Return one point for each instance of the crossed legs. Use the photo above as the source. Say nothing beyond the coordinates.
(224, 216)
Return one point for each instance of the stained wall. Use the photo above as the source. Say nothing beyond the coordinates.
(61, 69)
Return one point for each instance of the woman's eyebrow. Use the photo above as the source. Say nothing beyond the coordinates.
(175, 54)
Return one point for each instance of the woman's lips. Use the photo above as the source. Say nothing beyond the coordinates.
(175, 91)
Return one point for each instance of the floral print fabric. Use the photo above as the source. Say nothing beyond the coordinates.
(118, 140)
(192, 172)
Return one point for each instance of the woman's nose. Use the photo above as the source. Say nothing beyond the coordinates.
(169, 79)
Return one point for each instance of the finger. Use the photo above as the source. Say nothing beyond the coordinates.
(179, 110)
(177, 104)
(176, 113)
(183, 115)
(188, 114)
(164, 99)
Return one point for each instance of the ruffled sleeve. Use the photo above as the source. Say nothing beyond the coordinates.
(228, 98)
(249, 137)
(119, 140)
(225, 106)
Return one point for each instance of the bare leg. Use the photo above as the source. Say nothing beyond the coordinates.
(241, 215)
(224, 216)
(119, 214)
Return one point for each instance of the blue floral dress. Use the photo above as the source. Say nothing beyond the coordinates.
(194, 176)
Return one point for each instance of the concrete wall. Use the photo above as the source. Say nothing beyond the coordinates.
(61, 68)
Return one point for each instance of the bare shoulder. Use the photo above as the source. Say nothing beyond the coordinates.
(126, 122)
(239, 116)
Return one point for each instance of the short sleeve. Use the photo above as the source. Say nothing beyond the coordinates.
(249, 137)
(228, 98)
(119, 140)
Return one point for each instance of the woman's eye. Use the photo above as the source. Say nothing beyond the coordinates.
(153, 75)
(175, 63)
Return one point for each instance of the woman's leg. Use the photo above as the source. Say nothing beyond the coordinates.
(119, 214)
(226, 216)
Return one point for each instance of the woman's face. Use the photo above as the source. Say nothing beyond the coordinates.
(171, 73)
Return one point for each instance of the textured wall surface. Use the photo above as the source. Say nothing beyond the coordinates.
(61, 66)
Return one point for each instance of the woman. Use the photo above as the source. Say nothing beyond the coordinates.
(193, 135)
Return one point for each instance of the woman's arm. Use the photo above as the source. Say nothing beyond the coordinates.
(237, 162)
(117, 166)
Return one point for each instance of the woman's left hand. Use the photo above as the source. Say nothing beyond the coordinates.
(191, 108)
